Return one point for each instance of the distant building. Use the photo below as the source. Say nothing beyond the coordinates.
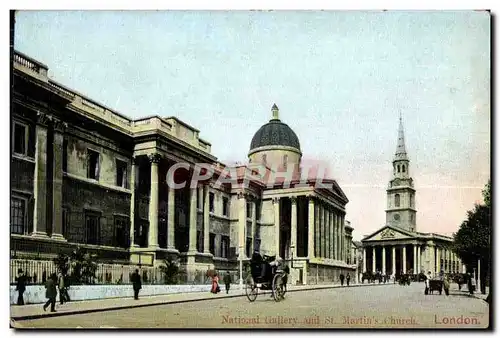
(84, 175)
(398, 246)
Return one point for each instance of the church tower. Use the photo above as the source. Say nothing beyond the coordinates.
(401, 211)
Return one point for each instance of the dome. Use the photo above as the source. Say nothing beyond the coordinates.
(275, 133)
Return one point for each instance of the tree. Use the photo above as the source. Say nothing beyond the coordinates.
(171, 271)
(84, 267)
(472, 242)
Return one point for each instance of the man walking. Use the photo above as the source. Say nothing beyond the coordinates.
(342, 279)
(348, 278)
(63, 289)
(227, 281)
(21, 286)
(136, 283)
(51, 293)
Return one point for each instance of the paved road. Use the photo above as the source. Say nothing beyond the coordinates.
(363, 307)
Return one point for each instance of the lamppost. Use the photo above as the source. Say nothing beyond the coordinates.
(292, 247)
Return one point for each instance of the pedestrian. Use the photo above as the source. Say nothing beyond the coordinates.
(341, 279)
(227, 281)
(446, 285)
(20, 286)
(470, 283)
(348, 278)
(136, 283)
(51, 293)
(215, 284)
(63, 289)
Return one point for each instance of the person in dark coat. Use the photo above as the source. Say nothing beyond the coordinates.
(20, 286)
(347, 279)
(51, 293)
(136, 283)
(227, 281)
(342, 279)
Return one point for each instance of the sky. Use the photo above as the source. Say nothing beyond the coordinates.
(340, 79)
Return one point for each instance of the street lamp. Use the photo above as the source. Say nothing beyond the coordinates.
(292, 247)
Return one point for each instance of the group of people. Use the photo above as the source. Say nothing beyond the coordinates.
(53, 283)
(215, 283)
(445, 278)
(347, 279)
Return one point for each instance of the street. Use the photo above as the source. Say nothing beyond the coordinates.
(391, 306)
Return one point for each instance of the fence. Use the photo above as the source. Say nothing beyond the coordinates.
(38, 271)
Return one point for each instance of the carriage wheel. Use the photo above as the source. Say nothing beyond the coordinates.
(251, 289)
(278, 292)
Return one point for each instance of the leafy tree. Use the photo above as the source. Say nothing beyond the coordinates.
(62, 263)
(84, 266)
(472, 242)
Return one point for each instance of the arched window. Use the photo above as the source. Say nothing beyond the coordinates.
(285, 161)
(399, 168)
(397, 200)
(411, 201)
(264, 158)
(403, 168)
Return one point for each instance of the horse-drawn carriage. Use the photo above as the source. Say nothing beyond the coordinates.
(404, 279)
(266, 274)
(434, 285)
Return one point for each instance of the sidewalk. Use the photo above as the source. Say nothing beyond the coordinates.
(34, 311)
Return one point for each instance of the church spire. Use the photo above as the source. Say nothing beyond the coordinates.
(275, 111)
(401, 149)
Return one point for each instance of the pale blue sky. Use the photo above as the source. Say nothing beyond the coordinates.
(338, 78)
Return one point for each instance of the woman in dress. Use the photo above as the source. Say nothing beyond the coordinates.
(215, 284)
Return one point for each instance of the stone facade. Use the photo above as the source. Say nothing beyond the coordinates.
(85, 175)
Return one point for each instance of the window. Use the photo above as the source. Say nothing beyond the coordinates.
(411, 200)
(403, 168)
(92, 164)
(65, 222)
(257, 210)
(224, 246)
(212, 244)
(257, 244)
(264, 158)
(20, 138)
(225, 206)
(199, 241)
(397, 200)
(65, 155)
(399, 168)
(285, 161)
(17, 215)
(249, 247)
(121, 173)
(121, 232)
(411, 217)
(211, 201)
(92, 227)
(249, 210)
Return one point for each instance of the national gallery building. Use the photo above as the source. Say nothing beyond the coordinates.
(84, 175)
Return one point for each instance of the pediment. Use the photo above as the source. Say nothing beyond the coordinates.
(388, 233)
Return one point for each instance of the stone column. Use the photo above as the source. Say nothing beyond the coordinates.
(171, 219)
(277, 224)
(193, 217)
(317, 245)
(57, 180)
(394, 260)
(206, 219)
(254, 223)
(374, 265)
(342, 245)
(438, 260)
(404, 259)
(334, 232)
(337, 233)
(383, 260)
(414, 258)
(324, 237)
(40, 179)
(310, 229)
(134, 168)
(153, 201)
(364, 259)
(432, 259)
(419, 259)
(293, 238)
(242, 222)
(330, 231)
